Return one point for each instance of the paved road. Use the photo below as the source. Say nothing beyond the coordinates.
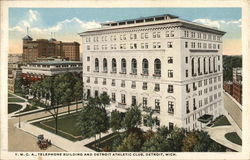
(233, 109)
(218, 134)
(22, 141)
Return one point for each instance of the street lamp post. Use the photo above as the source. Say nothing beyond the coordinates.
(19, 124)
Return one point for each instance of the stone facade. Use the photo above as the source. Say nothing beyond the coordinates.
(168, 64)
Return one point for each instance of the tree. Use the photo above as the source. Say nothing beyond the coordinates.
(150, 120)
(132, 143)
(132, 118)
(78, 91)
(93, 120)
(189, 142)
(163, 131)
(103, 100)
(176, 137)
(202, 142)
(156, 143)
(115, 121)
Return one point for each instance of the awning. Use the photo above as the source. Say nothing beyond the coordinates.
(205, 118)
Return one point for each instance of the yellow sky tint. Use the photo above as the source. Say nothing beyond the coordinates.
(232, 47)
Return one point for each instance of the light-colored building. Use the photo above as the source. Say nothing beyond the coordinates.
(237, 74)
(171, 65)
(38, 70)
(14, 58)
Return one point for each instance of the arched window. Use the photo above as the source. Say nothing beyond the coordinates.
(192, 63)
(204, 64)
(157, 67)
(145, 67)
(123, 66)
(105, 65)
(134, 66)
(214, 65)
(96, 65)
(199, 66)
(113, 65)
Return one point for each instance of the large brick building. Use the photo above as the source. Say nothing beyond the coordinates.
(49, 48)
(235, 88)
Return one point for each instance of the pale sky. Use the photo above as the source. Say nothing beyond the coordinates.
(68, 22)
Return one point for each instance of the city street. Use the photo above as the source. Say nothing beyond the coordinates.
(233, 109)
(19, 140)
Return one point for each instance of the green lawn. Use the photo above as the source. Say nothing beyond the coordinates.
(66, 124)
(105, 141)
(233, 137)
(222, 121)
(10, 95)
(28, 108)
(15, 100)
(13, 107)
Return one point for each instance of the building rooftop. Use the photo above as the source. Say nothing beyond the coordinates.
(153, 20)
(140, 20)
(56, 62)
(27, 37)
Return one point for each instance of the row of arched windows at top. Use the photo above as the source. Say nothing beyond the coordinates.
(212, 65)
(145, 66)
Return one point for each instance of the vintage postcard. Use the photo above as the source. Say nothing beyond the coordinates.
(125, 79)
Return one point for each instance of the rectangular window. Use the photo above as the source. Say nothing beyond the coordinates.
(186, 59)
(113, 82)
(187, 107)
(167, 33)
(104, 81)
(144, 86)
(123, 83)
(154, 34)
(171, 107)
(157, 87)
(200, 84)
(88, 47)
(88, 68)
(133, 85)
(144, 102)
(172, 34)
(170, 88)
(88, 58)
(88, 93)
(123, 99)
(170, 59)
(154, 44)
(96, 93)
(96, 80)
(158, 44)
(88, 80)
(186, 44)
(157, 105)
(113, 97)
(186, 73)
(187, 88)
(133, 100)
(142, 35)
(146, 35)
(170, 44)
(170, 74)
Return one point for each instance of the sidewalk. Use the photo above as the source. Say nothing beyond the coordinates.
(59, 141)
(218, 135)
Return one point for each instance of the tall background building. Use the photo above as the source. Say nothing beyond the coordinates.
(163, 62)
(40, 48)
